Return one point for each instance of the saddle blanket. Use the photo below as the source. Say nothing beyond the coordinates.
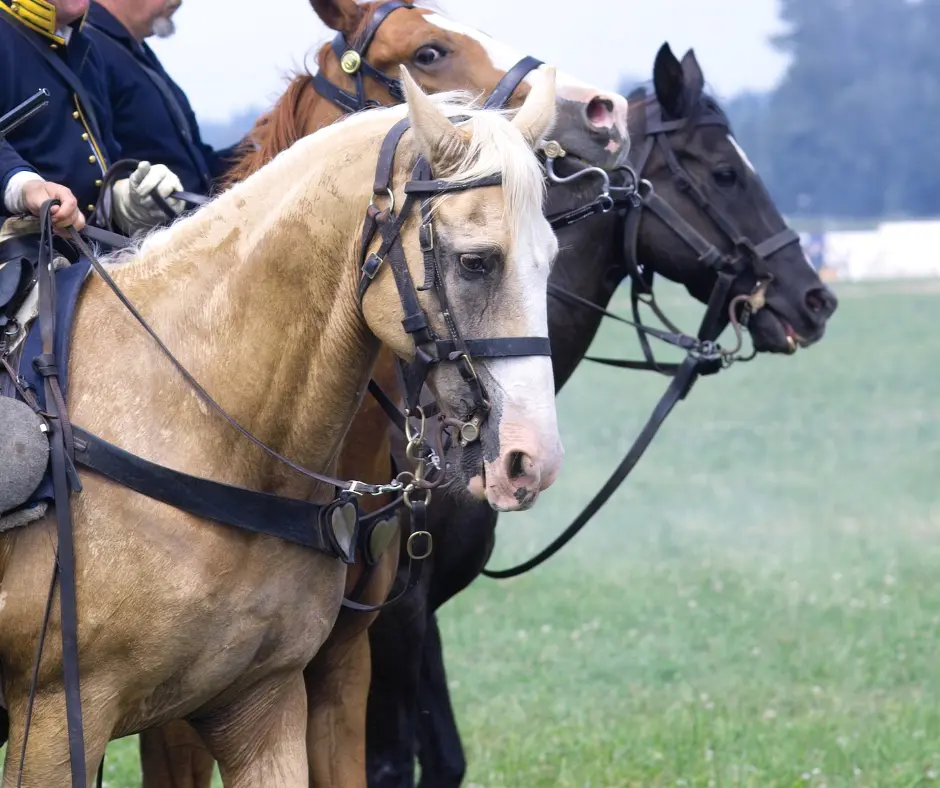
(68, 285)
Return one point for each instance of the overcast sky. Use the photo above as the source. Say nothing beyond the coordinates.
(231, 55)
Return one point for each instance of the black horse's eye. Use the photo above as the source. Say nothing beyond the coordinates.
(725, 177)
(476, 264)
(428, 55)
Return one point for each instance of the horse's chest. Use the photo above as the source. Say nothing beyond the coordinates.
(281, 617)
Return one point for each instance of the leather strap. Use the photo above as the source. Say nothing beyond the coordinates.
(64, 479)
(293, 520)
(682, 383)
(510, 81)
(206, 397)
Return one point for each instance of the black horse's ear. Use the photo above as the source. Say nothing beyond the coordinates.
(693, 77)
(669, 81)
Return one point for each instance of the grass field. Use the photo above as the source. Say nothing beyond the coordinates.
(758, 606)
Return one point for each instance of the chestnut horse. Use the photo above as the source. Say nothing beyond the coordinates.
(180, 617)
(442, 55)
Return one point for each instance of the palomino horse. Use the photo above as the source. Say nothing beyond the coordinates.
(179, 616)
(442, 54)
(409, 711)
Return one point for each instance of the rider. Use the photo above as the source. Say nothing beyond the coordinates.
(65, 149)
(152, 116)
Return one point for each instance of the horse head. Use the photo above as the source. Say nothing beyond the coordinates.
(723, 220)
(483, 252)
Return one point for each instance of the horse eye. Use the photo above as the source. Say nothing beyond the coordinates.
(428, 55)
(475, 264)
(725, 177)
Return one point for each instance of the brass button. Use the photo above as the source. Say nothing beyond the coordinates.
(85, 137)
(76, 115)
(92, 159)
(91, 208)
(98, 182)
(53, 46)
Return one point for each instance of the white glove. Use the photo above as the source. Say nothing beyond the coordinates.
(133, 208)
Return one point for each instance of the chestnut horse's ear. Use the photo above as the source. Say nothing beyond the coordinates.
(344, 16)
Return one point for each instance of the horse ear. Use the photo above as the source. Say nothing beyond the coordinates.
(344, 16)
(693, 77)
(537, 113)
(441, 142)
(668, 81)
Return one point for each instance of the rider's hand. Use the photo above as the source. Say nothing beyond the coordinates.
(134, 208)
(36, 192)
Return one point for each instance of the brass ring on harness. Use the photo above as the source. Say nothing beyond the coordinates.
(406, 496)
(409, 545)
(385, 193)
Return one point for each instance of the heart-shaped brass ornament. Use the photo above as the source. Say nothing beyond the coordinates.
(381, 537)
(344, 518)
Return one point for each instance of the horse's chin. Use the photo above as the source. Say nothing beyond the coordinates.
(771, 333)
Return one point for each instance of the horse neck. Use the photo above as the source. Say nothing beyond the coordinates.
(256, 295)
(588, 265)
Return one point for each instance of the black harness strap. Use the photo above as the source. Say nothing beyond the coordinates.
(64, 479)
(704, 357)
(353, 63)
(510, 81)
(687, 374)
(291, 519)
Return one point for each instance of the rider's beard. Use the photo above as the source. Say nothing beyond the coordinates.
(163, 27)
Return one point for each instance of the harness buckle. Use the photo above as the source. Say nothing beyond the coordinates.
(426, 238)
(372, 265)
(418, 554)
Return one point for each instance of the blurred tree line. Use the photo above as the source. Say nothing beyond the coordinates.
(853, 129)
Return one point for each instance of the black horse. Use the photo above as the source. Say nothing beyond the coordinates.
(716, 211)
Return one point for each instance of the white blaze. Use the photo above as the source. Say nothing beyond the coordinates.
(742, 154)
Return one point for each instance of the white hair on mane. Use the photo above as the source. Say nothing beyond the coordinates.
(496, 147)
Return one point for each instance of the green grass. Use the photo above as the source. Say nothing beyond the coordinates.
(758, 606)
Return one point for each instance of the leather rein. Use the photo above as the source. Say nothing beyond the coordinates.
(703, 354)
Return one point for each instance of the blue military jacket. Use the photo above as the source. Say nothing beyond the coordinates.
(152, 123)
(58, 142)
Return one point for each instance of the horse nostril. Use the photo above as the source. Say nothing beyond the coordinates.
(519, 464)
(600, 112)
(821, 301)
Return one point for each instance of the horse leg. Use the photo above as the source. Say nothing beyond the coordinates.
(439, 749)
(47, 750)
(391, 720)
(174, 755)
(259, 739)
(338, 687)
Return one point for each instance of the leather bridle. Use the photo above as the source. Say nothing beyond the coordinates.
(352, 60)
(703, 355)
(745, 258)
(430, 349)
